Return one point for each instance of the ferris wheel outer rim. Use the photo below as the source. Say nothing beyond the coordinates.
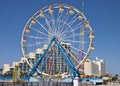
(91, 39)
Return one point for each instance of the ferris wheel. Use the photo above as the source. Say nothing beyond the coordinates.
(64, 22)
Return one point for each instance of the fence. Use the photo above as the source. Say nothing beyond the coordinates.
(40, 83)
(85, 84)
(43, 83)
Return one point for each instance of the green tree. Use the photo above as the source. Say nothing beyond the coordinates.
(114, 78)
(8, 73)
(24, 74)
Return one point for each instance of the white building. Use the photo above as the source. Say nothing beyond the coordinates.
(15, 64)
(102, 66)
(90, 68)
(96, 67)
(6, 68)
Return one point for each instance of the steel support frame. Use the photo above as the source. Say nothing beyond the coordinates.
(75, 73)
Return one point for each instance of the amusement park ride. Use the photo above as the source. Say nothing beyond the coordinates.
(65, 34)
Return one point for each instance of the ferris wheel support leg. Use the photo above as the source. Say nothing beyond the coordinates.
(44, 63)
(68, 61)
(39, 60)
(28, 78)
(76, 81)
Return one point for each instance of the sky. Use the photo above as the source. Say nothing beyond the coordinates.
(104, 16)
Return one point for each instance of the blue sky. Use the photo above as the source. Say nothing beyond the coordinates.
(104, 16)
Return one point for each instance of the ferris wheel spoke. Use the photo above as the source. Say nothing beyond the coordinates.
(60, 20)
(73, 19)
(74, 28)
(66, 36)
(64, 22)
(35, 37)
(80, 24)
(84, 42)
(57, 27)
(72, 22)
(39, 31)
(48, 24)
(52, 22)
(55, 23)
(59, 23)
(43, 27)
(67, 29)
(62, 26)
(79, 50)
(59, 15)
(71, 41)
(35, 44)
(69, 53)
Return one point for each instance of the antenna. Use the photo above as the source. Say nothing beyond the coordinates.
(82, 5)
